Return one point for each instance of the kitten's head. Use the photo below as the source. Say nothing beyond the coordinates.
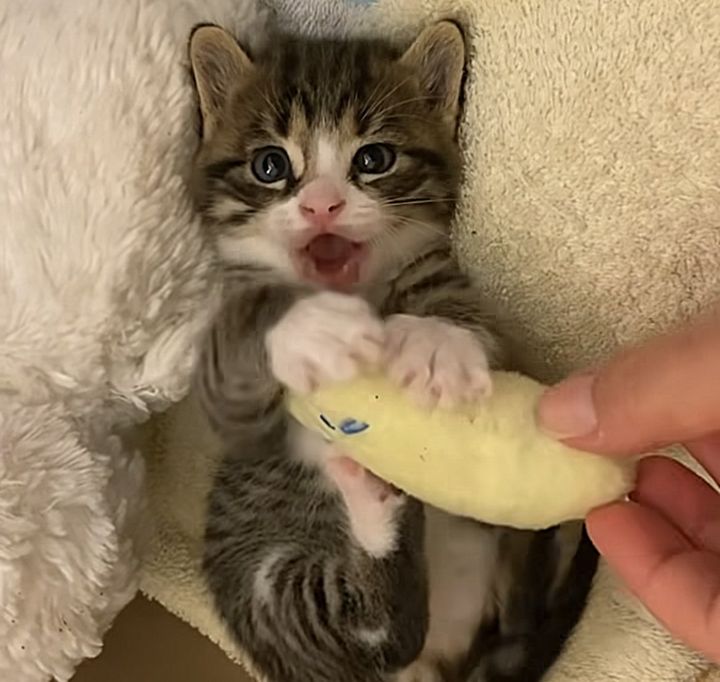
(328, 162)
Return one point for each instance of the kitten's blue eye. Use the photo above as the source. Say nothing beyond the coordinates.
(374, 159)
(271, 164)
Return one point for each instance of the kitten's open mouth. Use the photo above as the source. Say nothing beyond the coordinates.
(332, 260)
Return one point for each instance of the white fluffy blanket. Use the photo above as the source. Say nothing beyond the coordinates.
(104, 284)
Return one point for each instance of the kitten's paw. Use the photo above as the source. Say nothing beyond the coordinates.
(420, 671)
(355, 481)
(438, 362)
(371, 503)
(322, 339)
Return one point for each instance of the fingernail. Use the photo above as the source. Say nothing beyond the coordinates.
(567, 410)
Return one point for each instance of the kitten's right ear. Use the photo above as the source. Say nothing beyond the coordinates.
(218, 64)
(438, 57)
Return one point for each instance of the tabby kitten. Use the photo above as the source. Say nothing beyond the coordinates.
(327, 174)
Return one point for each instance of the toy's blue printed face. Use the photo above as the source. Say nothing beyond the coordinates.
(347, 426)
(352, 426)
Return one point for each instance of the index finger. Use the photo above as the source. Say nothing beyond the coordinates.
(662, 392)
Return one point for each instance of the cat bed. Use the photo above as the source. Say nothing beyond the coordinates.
(589, 216)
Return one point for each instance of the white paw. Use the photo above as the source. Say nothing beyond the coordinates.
(420, 671)
(325, 338)
(437, 362)
(371, 503)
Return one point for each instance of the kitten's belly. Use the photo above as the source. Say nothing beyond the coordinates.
(462, 558)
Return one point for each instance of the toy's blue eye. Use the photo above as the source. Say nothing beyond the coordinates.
(353, 426)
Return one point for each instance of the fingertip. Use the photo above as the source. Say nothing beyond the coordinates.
(567, 410)
(602, 522)
(634, 539)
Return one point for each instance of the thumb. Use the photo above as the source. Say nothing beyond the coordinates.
(663, 392)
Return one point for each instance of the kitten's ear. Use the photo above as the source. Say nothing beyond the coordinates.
(438, 56)
(218, 63)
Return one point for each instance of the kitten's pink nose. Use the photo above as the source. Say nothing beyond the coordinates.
(321, 204)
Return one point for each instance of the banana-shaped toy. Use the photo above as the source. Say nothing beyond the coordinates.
(489, 462)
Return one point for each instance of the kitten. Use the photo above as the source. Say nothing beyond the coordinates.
(327, 174)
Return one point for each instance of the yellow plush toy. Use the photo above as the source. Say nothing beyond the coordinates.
(490, 462)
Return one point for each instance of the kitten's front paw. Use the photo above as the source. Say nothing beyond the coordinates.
(322, 339)
(436, 361)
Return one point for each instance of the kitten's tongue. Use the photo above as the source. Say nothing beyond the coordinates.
(334, 259)
(330, 250)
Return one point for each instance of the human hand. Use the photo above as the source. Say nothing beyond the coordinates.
(665, 542)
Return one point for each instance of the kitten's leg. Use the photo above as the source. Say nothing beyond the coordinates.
(372, 505)
(309, 597)
(271, 335)
(439, 344)
(462, 558)
(542, 586)
(349, 615)
(434, 286)
(234, 383)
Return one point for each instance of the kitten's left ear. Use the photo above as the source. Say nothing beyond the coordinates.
(218, 64)
(438, 56)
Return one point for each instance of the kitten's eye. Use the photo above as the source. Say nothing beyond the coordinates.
(271, 164)
(374, 159)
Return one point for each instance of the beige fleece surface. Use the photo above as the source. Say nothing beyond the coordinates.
(591, 215)
(616, 642)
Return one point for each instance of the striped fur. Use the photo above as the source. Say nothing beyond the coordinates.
(290, 555)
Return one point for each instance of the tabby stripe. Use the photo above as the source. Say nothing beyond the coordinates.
(237, 217)
(219, 169)
(427, 157)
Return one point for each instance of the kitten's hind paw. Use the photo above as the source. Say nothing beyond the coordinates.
(372, 504)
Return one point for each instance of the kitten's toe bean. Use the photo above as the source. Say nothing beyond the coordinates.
(437, 362)
(324, 338)
(481, 383)
(343, 470)
(355, 480)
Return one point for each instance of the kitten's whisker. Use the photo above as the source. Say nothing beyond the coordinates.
(403, 102)
(269, 98)
(375, 90)
(377, 103)
(420, 224)
(384, 98)
(402, 117)
(387, 240)
(418, 202)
